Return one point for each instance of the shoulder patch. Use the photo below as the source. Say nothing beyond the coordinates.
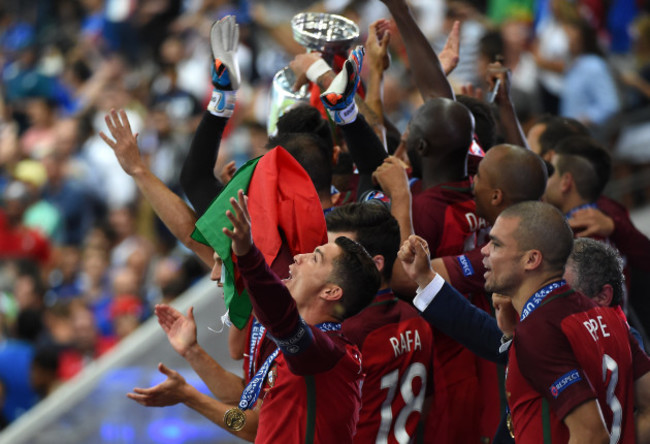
(563, 382)
(465, 265)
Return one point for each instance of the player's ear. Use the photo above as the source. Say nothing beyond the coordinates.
(496, 198)
(532, 259)
(331, 292)
(604, 296)
(378, 259)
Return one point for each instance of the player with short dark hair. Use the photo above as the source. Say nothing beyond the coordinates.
(395, 342)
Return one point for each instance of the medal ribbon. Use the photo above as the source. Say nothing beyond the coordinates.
(257, 334)
(536, 299)
(579, 207)
(252, 390)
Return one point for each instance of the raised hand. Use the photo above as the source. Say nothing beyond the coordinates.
(590, 222)
(301, 64)
(498, 77)
(168, 392)
(224, 40)
(414, 255)
(227, 172)
(242, 239)
(391, 177)
(180, 330)
(339, 97)
(125, 145)
(377, 45)
(450, 54)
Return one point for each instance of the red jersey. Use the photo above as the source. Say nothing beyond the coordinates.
(397, 349)
(323, 407)
(313, 391)
(566, 352)
(445, 216)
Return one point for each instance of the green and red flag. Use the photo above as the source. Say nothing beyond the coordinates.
(284, 208)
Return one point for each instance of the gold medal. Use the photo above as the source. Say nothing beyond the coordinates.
(511, 429)
(235, 419)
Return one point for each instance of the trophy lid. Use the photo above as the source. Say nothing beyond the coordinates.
(319, 31)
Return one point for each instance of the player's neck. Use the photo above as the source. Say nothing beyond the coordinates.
(530, 286)
(316, 314)
(573, 201)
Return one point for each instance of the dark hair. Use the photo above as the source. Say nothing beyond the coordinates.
(356, 273)
(542, 227)
(310, 152)
(374, 227)
(558, 129)
(29, 324)
(588, 162)
(596, 264)
(588, 35)
(46, 358)
(307, 119)
(491, 45)
(485, 125)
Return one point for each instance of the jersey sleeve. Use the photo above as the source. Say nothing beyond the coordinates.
(466, 271)
(549, 365)
(306, 349)
(640, 360)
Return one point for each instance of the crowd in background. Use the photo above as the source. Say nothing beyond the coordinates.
(83, 259)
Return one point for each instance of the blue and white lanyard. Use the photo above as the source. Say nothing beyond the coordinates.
(535, 300)
(252, 390)
(257, 333)
(578, 208)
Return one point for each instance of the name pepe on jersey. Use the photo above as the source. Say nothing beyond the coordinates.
(406, 342)
(594, 326)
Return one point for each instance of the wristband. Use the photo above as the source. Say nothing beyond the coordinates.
(317, 69)
(345, 115)
(222, 103)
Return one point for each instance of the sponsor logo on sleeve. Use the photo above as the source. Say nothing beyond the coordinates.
(564, 381)
(465, 265)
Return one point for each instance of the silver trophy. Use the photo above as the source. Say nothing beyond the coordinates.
(329, 34)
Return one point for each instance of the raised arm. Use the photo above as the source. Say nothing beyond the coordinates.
(339, 100)
(197, 176)
(171, 209)
(446, 309)
(428, 73)
(499, 76)
(273, 305)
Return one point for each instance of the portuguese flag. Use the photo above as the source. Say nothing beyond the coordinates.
(285, 214)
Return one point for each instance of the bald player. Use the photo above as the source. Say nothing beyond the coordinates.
(574, 372)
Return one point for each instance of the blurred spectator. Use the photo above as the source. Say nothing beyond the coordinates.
(16, 354)
(40, 214)
(126, 314)
(87, 343)
(43, 374)
(590, 93)
(65, 281)
(40, 134)
(17, 240)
